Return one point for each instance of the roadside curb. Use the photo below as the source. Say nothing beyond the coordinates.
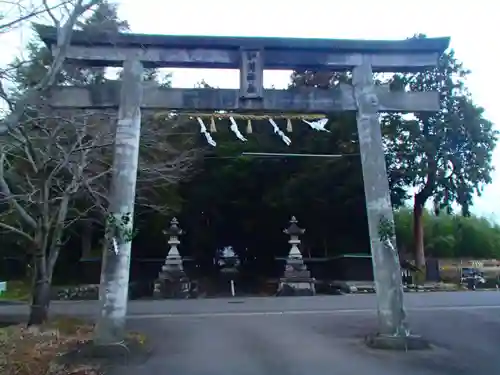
(13, 319)
(11, 303)
(365, 290)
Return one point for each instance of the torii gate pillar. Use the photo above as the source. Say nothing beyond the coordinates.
(393, 331)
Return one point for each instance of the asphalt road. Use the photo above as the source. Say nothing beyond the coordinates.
(345, 304)
(466, 342)
(319, 335)
(310, 335)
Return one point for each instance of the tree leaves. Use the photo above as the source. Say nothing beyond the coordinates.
(451, 236)
(457, 135)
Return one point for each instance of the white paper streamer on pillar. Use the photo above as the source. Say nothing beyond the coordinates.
(203, 130)
(278, 131)
(115, 246)
(235, 130)
(318, 124)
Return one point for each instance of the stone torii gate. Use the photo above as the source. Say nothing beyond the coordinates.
(252, 56)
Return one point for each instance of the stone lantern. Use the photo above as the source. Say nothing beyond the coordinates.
(297, 278)
(173, 281)
(294, 231)
(174, 232)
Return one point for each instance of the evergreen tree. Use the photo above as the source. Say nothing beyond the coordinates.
(446, 156)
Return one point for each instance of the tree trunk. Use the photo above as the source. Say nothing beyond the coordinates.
(418, 239)
(40, 301)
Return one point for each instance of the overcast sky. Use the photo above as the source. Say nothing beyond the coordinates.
(470, 24)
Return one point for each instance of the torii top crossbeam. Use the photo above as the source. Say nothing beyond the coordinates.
(251, 56)
(224, 52)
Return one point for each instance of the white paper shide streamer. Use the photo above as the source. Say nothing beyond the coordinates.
(318, 125)
(278, 131)
(115, 246)
(235, 130)
(204, 131)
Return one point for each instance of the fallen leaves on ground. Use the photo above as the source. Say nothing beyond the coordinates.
(33, 351)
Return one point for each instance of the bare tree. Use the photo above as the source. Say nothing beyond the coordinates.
(72, 10)
(55, 171)
(15, 13)
(47, 154)
(44, 171)
(168, 154)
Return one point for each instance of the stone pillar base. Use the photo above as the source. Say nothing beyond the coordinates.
(179, 289)
(296, 287)
(388, 342)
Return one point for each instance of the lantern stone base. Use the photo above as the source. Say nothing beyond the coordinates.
(172, 289)
(296, 286)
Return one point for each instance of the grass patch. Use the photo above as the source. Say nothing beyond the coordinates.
(17, 291)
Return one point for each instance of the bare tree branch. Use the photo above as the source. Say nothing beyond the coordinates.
(4, 186)
(30, 13)
(33, 95)
(49, 10)
(54, 161)
(20, 232)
